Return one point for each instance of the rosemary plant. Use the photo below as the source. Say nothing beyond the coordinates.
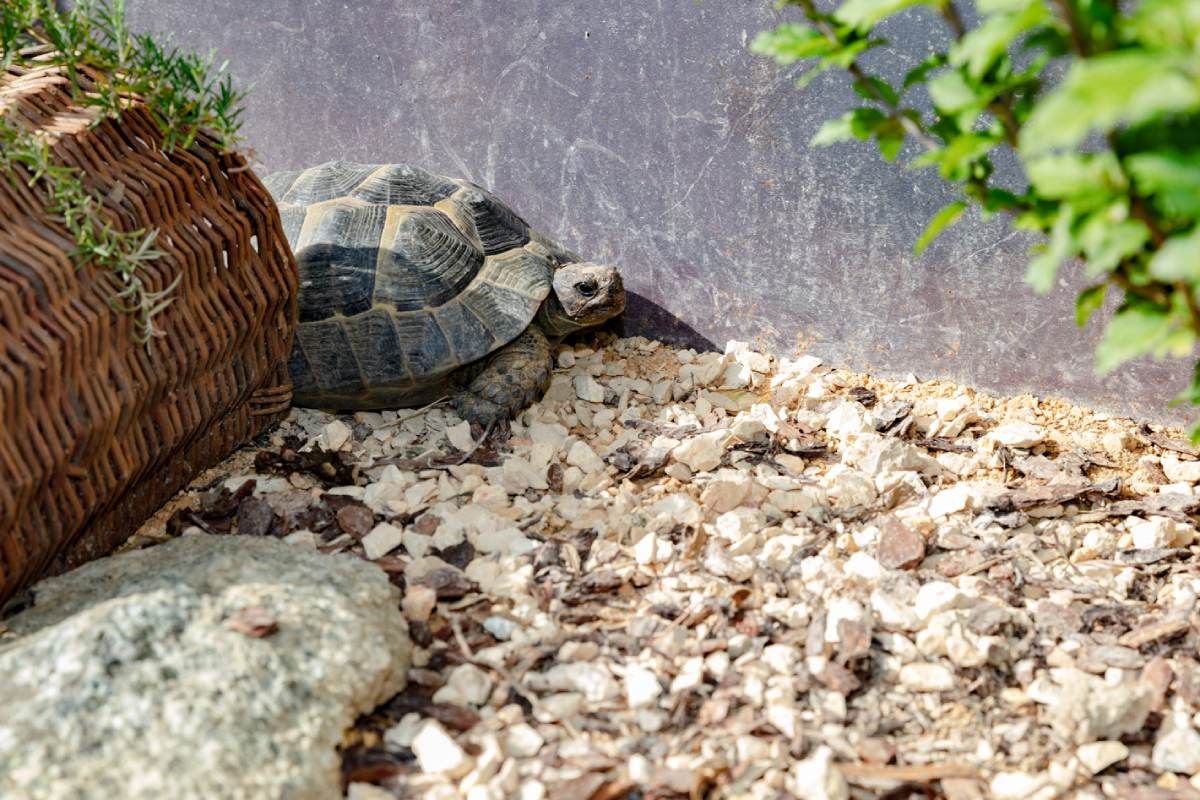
(183, 92)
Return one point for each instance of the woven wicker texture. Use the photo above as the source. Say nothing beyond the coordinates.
(97, 431)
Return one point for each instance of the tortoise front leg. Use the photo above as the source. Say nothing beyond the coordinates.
(511, 378)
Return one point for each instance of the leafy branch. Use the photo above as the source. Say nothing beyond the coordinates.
(110, 68)
(1127, 208)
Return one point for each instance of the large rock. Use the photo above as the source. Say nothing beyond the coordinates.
(129, 680)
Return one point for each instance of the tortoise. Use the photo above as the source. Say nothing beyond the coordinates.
(415, 287)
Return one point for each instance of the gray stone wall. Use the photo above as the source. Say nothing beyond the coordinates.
(643, 132)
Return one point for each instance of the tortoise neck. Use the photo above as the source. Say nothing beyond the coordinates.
(553, 320)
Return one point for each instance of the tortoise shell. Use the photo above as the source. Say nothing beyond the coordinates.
(404, 277)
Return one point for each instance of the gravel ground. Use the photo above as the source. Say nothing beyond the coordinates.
(714, 575)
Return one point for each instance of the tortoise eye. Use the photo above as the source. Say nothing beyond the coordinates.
(586, 288)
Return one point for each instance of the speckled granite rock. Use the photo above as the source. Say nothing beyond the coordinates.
(129, 680)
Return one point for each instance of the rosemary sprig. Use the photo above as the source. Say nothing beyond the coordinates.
(110, 68)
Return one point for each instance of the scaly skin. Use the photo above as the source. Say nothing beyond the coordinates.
(512, 378)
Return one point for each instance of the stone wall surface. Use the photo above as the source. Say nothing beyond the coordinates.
(643, 132)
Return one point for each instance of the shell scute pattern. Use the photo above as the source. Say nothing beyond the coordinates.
(523, 271)
(468, 337)
(329, 362)
(423, 261)
(336, 250)
(405, 276)
(496, 227)
(423, 343)
(403, 185)
(377, 348)
(326, 182)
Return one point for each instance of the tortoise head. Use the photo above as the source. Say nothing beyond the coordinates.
(584, 294)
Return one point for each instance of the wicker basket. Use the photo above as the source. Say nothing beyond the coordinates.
(96, 430)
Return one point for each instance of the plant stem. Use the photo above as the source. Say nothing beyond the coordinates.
(1159, 297)
(910, 127)
(1079, 39)
(1004, 113)
(954, 20)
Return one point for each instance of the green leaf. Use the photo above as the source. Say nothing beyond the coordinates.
(1178, 259)
(1088, 302)
(951, 93)
(844, 56)
(960, 155)
(1164, 24)
(920, 73)
(1101, 92)
(833, 131)
(1086, 180)
(863, 14)
(865, 120)
(1107, 242)
(1171, 179)
(808, 77)
(981, 47)
(1043, 269)
(1139, 329)
(997, 200)
(860, 123)
(890, 142)
(873, 88)
(941, 220)
(791, 42)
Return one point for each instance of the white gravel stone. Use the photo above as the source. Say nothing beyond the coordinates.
(437, 752)
(650, 549)
(1022, 786)
(582, 456)
(335, 434)
(1084, 708)
(795, 500)
(594, 681)
(500, 627)
(727, 492)
(703, 451)
(937, 596)
(401, 735)
(548, 433)
(383, 539)
(586, 388)
(781, 658)
(523, 741)
(367, 791)
(736, 376)
(417, 545)
(1160, 532)
(1181, 471)
(818, 778)
(517, 476)
(419, 602)
(927, 677)
(1177, 748)
(1098, 756)
(460, 436)
(471, 683)
(1018, 434)
(641, 686)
